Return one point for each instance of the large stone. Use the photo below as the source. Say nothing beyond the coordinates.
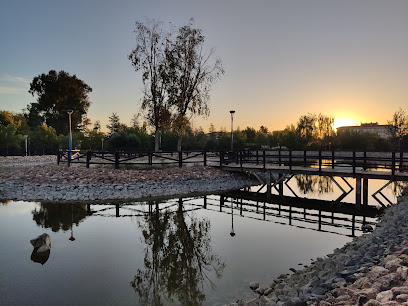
(42, 243)
(385, 296)
(254, 285)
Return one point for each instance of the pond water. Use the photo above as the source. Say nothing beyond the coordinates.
(192, 251)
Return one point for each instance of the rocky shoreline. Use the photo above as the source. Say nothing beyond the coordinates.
(370, 270)
(40, 179)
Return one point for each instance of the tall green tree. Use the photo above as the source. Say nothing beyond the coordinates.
(190, 73)
(148, 57)
(57, 92)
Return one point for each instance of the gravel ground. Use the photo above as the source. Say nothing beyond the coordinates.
(40, 178)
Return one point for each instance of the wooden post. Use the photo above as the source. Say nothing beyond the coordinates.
(240, 159)
(205, 158)
(58, 157)
(320, 161)
(365, 161)
(116, 160)
(279, 153)
(221, 158)
(353, 225)
(358, 192)
(280, 185)
(304, 159)
(332, 159)
(401, 161)
(205, 202)
(222, 202)
(268, 186)
(180, 159)
(88, 158)
(290, 160)
(69, 158)
(117, 210)
(257, 159)
(354, 162)
(365, 191)
(264, 160)
(393, 163)
(320, 219)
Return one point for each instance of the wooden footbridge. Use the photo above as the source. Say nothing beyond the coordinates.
(280, 166)
(277, 166)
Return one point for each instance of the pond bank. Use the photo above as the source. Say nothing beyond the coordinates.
(40, 179)
(370, 270)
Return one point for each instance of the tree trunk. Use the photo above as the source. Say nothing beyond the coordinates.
(180, 138)
(156, 140)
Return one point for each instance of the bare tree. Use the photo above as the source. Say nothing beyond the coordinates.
(190, 73)
(149, 58)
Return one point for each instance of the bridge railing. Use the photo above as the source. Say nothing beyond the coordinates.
(390, 161)
(118, 158)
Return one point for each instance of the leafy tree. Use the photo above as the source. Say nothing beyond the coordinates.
(324, 127)
(399, 125)
(44, 139)
(306, 127)
(6, 118)
(97, 125)
(149, 58)
(124, 141)
(56, 93)
(115, 125)
(190, 73)
(93, 140)
(9, 139)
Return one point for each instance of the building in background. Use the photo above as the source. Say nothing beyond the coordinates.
(372, 128)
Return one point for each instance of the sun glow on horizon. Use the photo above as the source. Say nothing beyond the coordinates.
(339, 122)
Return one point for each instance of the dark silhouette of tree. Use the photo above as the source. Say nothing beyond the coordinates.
(178, 259)
(114, 125)
(56, 93)
(149, 58)
(190, 73)
(398, 126)
(59, 216)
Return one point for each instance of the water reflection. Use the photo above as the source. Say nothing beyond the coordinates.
(59, 216)
(313, 183)
(178, 259)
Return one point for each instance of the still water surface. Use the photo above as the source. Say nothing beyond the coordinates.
(191, 251)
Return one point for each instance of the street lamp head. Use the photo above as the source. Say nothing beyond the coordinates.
(232, 111)
(70, 111)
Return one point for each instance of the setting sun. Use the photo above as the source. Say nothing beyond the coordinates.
(338, 122)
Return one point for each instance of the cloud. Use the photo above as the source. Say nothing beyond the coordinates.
(11, 90)
(14, 79)
(13, 85)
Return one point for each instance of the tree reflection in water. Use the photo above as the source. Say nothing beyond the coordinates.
(59, 216)
(178, 261)
(313, 183)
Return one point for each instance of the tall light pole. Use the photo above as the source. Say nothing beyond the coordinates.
(69, 112)
(232, 112)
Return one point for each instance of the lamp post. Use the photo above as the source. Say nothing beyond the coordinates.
(232, 219)
(69, 112)
(26, 144)
(232, 112)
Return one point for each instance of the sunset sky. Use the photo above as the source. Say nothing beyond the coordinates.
(283, 59)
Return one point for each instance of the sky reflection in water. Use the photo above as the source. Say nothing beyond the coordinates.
(170, 252)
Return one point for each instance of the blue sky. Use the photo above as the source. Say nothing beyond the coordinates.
(283, 59)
